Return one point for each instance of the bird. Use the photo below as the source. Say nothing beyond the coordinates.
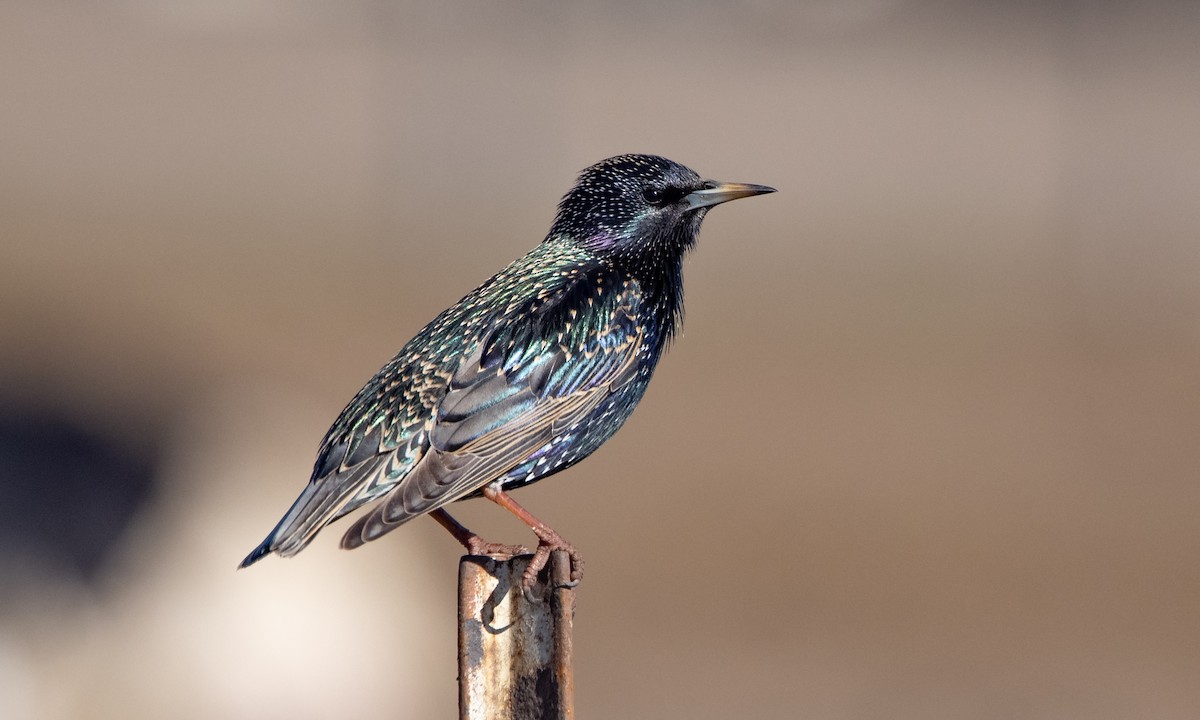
(523, 377)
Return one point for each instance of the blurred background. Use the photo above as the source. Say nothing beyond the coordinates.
(927, 448)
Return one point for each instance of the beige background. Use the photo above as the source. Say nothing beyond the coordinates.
(927, 448)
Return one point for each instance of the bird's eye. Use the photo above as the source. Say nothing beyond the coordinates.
(654, 196)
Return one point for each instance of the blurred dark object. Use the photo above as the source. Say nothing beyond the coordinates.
(66, 493)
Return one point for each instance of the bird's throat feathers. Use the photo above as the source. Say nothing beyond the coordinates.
(657, 268)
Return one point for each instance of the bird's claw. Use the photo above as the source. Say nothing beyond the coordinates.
(500, 551)
(541, 556)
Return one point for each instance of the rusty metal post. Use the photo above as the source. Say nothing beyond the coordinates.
(514, 655)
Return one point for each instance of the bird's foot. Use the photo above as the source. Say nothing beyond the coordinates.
(548, 542)
(478, 546)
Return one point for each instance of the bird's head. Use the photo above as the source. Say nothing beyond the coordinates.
(640, 208)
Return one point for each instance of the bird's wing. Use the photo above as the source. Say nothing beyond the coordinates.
(384, 432)
(525, 384)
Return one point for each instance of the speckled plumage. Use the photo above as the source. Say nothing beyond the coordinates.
(526, 375)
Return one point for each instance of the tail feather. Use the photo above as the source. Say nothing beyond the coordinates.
(258, 553)
(330, 497)
(317, 506)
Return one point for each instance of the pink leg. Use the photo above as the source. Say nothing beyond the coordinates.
(548, 539)
(474, 544)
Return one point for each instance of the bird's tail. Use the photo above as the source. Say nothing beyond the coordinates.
(316, 507)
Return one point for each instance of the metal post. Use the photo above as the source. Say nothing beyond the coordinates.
(514, 654)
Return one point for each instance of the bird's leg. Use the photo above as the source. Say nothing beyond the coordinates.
(548, 540)
(474, 544)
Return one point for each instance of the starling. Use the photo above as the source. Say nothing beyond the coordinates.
(525, 376)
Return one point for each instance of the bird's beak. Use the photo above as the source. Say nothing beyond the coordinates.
(715, 193)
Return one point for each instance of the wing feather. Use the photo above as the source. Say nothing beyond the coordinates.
(497, 414)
